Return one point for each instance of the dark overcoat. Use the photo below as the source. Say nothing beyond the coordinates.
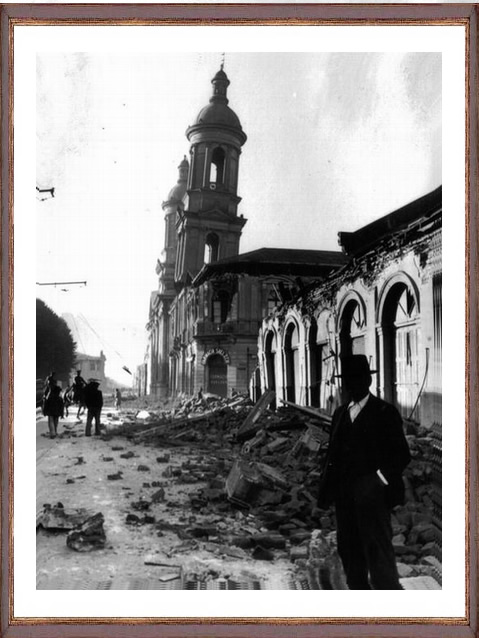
(380, 445)
(93, 397)
(53, 405)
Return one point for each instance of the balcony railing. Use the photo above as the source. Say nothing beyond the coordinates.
(206, 328)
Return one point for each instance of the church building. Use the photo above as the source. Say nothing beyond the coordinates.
(205, 317)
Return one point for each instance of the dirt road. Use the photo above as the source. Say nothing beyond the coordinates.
(73, 470)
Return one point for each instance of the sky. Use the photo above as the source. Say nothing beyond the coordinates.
(335, 140)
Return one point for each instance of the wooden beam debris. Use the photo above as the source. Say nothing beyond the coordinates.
(321, 416)
(248, 429)
(164, 427)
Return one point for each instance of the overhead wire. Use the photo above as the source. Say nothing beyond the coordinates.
(103, 341)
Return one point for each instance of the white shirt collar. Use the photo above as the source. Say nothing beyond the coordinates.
(361, 403)
(355, 407)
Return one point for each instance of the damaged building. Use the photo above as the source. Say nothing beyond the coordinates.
(385, 302)
(205, 316)
(380, 295)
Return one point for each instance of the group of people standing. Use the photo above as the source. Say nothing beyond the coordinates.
(81, 393)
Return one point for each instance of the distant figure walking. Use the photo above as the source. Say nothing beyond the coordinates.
(118, 399)
(94, 403)
(53, 408)
(50, 382)
(78, 386)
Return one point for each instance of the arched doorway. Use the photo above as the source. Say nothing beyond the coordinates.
(401, 348)
(216, 375)
(291, 362)
(351, 330)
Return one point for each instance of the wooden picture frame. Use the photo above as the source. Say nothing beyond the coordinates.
(13, 15)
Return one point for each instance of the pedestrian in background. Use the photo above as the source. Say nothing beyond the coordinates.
(78, 388)
(94, 403)
(118, 399)
(363, 477)
(53, 408)
(50, 382)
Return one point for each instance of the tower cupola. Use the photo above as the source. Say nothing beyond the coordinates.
(176, 194)
(220, 83)
(216, 139)
(208, 227)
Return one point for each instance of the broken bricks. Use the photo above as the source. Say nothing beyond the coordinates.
(244, 483)
(58, 518)
(133, 519)
(141, 505)
(127, 455)
(158, 496)
(88, 536)
(115, 477)
(260, 553)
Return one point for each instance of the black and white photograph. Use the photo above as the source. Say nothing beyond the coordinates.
(288, 290)
(238, 267)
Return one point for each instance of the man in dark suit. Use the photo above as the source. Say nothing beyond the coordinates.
(94, 403)
(363, 477)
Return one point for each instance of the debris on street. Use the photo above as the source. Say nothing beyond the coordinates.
(89, 535)
(233, 486)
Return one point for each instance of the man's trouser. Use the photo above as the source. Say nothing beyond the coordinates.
(93, 414)
(365, 535)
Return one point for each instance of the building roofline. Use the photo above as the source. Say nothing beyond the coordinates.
(275, 261)
(360, 241)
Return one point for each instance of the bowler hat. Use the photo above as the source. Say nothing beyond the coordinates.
(355, 365)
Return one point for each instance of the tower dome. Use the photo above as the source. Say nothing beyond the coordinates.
(217, 113)
(178, 191)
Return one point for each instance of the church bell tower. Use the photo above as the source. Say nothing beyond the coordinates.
(208, 227)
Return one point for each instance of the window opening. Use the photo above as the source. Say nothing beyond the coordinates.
(211, 248)
(217, 167)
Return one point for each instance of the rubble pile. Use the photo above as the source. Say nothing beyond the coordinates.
(190, 420)
(416, 526)
(257, 472)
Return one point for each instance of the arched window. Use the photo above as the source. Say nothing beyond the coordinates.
(270, 356)
(217, 167)
(291, 363)
(315, 365)
(401, 351)
(212, 243)
(351, 329)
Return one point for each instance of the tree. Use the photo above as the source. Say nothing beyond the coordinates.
(56, 349)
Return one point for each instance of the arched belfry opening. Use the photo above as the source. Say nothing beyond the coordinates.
(212, 245)
(217, 168)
